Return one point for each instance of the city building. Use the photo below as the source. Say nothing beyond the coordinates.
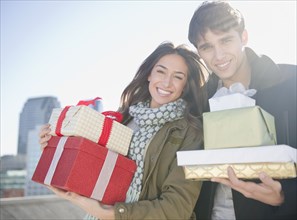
(12, 183)
(36, 111)
(16, 171)
(12, 175)
(33, 154)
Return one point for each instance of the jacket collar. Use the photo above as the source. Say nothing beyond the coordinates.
(265, 73)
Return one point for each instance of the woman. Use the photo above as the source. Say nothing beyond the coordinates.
(163, 105)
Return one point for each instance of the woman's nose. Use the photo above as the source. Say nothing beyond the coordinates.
(167, 80)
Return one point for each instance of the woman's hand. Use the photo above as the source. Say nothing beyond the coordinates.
(89, 205)
(44, 135)
(268, 191)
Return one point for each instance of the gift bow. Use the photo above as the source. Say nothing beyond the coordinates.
(95, 103)
(235, 88)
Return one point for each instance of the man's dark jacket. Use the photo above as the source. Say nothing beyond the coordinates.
(276, 94)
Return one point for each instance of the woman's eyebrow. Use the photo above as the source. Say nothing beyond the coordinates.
(164, 67)
(160, 65)
(179, 72)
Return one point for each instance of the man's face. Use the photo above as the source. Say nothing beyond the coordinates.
(223, 53)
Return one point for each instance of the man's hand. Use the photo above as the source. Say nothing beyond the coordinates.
(268, 191)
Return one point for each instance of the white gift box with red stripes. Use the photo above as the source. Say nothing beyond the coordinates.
(83, 121)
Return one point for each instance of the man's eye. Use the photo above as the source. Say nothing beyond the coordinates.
(205, 48)
(225, 41)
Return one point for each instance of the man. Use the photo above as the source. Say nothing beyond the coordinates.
(218, 32)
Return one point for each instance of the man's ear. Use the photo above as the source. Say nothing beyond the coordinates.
(244, 37)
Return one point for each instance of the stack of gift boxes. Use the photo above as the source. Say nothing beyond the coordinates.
(87, 154)
(239, 134)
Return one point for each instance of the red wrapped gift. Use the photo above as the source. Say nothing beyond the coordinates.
(79, 165)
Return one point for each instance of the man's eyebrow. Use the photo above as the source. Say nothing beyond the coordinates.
(226, 37)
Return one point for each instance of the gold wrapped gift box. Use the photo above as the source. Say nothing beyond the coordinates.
(278, 161)
(239, 127)
(243, 171)
(84, 121)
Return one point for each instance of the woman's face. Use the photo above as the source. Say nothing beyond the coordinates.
(167, 80)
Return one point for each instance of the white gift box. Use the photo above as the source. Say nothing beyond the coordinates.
(278, 161)
(236, 100)
(236, 96)
(272, 153)
(86, 122)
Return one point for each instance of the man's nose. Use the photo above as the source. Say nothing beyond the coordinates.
(219, 53)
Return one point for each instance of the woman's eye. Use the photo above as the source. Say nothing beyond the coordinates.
(179, 77)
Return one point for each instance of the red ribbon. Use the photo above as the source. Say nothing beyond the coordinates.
(110, 116)
(88, 102)
(113, 115)
(60, 121)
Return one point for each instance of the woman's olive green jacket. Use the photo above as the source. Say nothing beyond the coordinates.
(166, 194)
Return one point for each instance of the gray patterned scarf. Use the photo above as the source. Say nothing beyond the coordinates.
(149, 121)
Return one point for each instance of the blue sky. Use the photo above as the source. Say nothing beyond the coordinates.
(82, 49)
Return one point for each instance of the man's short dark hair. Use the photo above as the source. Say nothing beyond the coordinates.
(217, 16)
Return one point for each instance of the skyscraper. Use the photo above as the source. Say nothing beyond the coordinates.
(33, 155)
(36, 112)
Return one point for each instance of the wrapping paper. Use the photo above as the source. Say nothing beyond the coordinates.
(86, 122)
(278, 161)
(233, 89)
(240, 127)
(82, 166)
(230, 101)
(234, 97)
(242, 171)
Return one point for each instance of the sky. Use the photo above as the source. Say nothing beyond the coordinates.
(77, 50)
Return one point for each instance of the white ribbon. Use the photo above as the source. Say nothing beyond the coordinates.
(235, 88)
(55, 160)
(104, 176)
